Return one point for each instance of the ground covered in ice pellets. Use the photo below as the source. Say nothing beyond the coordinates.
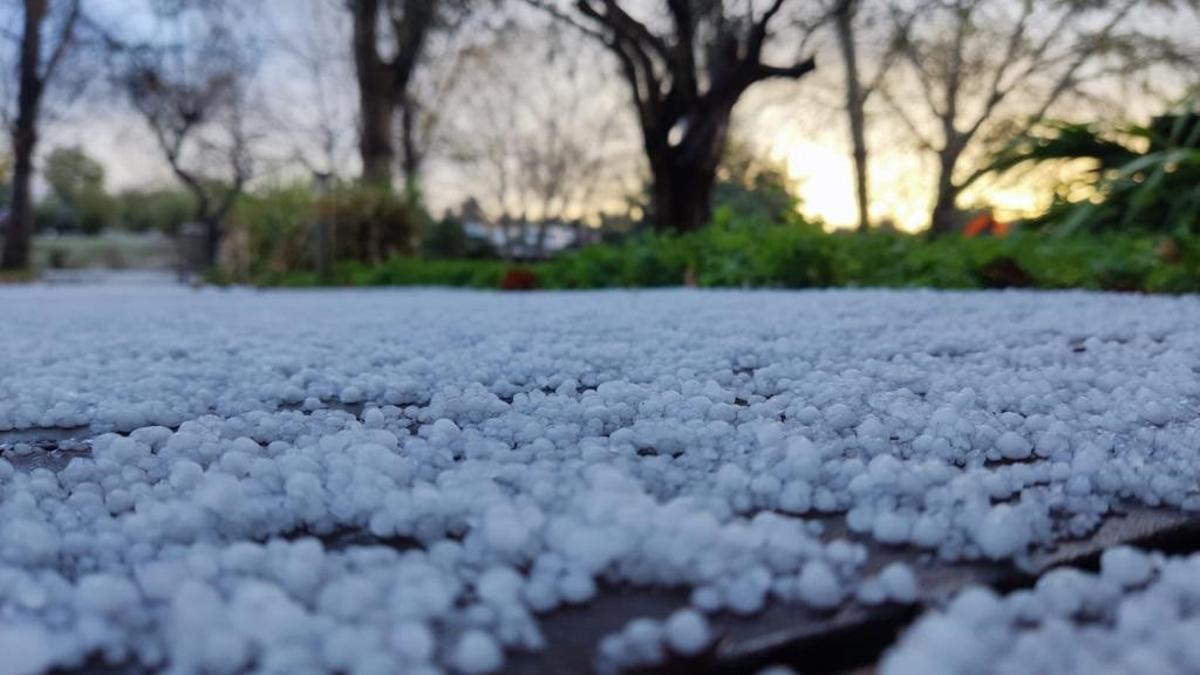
(414, 481)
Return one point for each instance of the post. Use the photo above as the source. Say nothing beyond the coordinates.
(322, 247)
(192, 251)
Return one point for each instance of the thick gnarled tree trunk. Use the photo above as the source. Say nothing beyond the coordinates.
(682, 200)
(685, 172)
(684, 84)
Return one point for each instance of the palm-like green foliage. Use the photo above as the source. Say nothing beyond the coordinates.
(1142, 177)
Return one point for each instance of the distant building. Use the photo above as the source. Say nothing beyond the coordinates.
(519, 240)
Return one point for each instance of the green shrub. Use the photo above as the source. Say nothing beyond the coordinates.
(1142, 178)
(269, 233)
(757, 253)
(446, 239)
(370, 224)
(400, 271)
(154, 210)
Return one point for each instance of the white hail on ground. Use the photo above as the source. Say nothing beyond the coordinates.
(536, 447)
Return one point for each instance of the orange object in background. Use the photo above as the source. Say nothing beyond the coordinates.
(985, 223)
(519, 279)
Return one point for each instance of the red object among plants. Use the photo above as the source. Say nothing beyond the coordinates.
(519, 279)
(985, 224)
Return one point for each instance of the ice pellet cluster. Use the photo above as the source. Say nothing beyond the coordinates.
(1139, 614)
(645, 642)
(409, 481)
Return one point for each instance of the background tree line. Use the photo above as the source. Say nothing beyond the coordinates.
(534, 112)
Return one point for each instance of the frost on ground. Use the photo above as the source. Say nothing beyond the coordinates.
(517, 454)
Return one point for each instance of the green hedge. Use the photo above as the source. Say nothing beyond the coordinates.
(401, 272)
(804, 256)
(799, 255)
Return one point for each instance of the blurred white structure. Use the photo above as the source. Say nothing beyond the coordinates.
(520, 240)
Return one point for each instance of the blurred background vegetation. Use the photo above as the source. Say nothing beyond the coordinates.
(380, 142)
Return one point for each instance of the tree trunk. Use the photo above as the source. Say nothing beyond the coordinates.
(539, 244)
(204, 215)
(855, 107)
(375, 144)
(665, 75)
(523, 233)
(410, 158)
(682, 199)
(376, 97)
(20, 216)
(24, 140)
(684, 174)
(946, 216)
(861, 187)
(212, 240)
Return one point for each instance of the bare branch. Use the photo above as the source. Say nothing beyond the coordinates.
(65, 38)
(793, 71)
(922, 140)
(621, 21)
(1091, 46)
(758, 34)
(555, 13)
(905, 46)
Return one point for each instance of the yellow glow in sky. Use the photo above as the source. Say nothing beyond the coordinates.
(901, 186)
(824, 181)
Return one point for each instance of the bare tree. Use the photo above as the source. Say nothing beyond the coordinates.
(532, 146)
(980, 70)
(843, 20)
(193, 97)
(684, 79)
(386, 60)
(316, 45)
(38, 62)
(423, 109)
(845, 16)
